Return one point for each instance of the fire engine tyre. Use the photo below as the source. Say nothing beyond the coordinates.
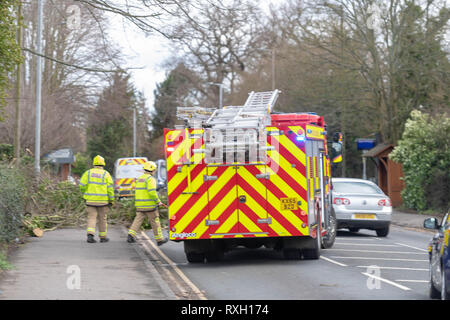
(330, 237)
(214, 256)
(292, 254)
(195, 257)
(382, 232)
(313, 253)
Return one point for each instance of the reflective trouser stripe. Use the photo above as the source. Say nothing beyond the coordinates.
(90, 230)
(153, 217)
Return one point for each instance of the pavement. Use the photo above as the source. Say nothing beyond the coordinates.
(62, 266)
(410, 220)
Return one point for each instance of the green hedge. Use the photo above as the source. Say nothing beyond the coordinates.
(13, 193)
(424, 152)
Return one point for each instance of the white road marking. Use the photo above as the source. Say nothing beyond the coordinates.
(373, 251)
(356, 239)
(405, 245)
(386, 259)
(396, 268)
(365, 244)
(177, 270)
(386, 281)
(418, 281)
(333, 261)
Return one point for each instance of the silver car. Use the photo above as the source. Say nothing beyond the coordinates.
(361, 204)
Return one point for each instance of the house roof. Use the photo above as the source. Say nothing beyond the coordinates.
(374, 152)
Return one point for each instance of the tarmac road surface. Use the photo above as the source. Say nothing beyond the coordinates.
(360, 266)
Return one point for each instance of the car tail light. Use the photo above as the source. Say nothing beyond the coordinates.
(385, 203)
(341, 201)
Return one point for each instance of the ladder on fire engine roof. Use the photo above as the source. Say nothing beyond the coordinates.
(255, 113)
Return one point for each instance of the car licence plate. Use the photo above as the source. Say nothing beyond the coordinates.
(363, 216)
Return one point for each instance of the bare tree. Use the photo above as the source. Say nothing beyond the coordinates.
(218, 41)
(68, 90)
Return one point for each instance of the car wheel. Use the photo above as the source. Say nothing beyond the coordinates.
(434, 293)
(382, 232)
(444, 294)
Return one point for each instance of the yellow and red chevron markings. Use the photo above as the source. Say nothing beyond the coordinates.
(125, 162)
(251, 200)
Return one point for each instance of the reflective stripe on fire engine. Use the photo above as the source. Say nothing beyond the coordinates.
(217, 199)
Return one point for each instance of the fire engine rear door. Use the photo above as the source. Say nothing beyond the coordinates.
(187, 191)
(252, 204)
(221, 182)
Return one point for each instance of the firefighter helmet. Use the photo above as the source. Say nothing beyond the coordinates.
(150, 166)
(99, 161)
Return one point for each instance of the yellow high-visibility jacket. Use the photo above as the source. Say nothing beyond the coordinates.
(97, 187)
(145, 196)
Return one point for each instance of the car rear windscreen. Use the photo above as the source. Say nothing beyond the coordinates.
(129, 171)
(356, 187)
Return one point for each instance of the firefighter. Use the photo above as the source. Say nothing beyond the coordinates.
(146, 203)
(97, 187)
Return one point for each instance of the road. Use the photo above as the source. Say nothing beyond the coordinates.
(359, 266)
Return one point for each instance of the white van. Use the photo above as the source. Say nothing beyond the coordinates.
(126, 170)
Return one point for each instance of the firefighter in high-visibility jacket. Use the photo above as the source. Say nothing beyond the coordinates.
(97, 187)
(146, 203)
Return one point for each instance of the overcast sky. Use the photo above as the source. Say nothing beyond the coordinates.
(147, 52)
(143, 52)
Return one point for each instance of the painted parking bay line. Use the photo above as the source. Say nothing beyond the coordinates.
(366, 244)
(396, 268)
(333, 261)
(408, 246)
(386, 281)
(414, 281)
(374, 251)
(385, 259)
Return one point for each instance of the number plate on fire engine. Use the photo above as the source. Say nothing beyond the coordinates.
(289, 204)
(363, 216)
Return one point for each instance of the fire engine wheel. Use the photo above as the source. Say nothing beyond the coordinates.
(292, 254)
(195, 257)
(214, 256)
(330, 237)
(314, 252)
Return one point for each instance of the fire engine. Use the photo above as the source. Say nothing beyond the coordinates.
(247, 176)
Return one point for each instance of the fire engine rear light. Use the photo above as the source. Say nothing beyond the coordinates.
(170, 149)
(300, 138)
(385, 203)
(341, 201)
(173, 229)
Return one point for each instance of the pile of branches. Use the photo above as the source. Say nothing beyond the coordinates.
(47, 204)
(52, 204)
